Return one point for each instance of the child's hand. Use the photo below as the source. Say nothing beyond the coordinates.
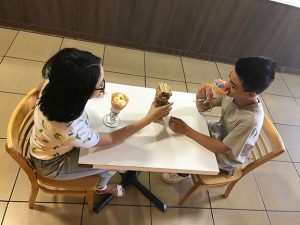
(177, 125)
(156, 113)
(204, 97)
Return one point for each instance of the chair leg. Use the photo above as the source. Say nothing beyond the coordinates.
(90, 199)
(33, 194)
(229, 188)
(190, 193)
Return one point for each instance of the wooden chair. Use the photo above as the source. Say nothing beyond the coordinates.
(17, 146)
(268, 146)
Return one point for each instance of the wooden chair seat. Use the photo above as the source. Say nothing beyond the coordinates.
(268, 146)
(17, 146)
(221, 178)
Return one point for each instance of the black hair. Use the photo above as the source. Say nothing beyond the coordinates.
(73, 75)
(255, 73)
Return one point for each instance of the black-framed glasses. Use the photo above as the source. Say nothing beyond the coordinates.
(102, 86)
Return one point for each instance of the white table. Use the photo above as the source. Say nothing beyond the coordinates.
(155, 148)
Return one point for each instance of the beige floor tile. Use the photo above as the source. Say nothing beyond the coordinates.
(290, 136)
(23, 188)
(163, 66)
(284, 110)
(297, 165)
(199, 71)
(1, 59)
(8, 102)
(298, 101)
(133, 196)
(245, 195)
(18, 213)
(293, 82)
(175, 85)
(20, 76)
(172, 194)
(124, 60)
(7, 36)
(119, 78)
(34, 46)
(278, 87)
(240, 217)
(279, 185)
(193, 88)
(266, 110)
(224, 70)
(182, 216)
(2, 209)
(118, 215)
(95, 48)
(8, 172)
(288, 218)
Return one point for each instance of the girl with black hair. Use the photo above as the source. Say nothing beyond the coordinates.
(61, 127)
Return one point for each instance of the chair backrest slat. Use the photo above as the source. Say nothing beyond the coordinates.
(269, 136)
(18, 131)
(253, 153)
(259, 150)
(25, 138)
(264, 144)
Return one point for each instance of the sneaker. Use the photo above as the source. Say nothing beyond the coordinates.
(172, 178)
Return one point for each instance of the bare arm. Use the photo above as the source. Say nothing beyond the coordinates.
(117, 136)
(180, 127)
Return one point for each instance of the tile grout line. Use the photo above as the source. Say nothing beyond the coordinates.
(9, 200)
(286, 84)
(186, 88)
(81, 219)
(15, 93)
(261, 197)
(11, 44)
(103, 56)
(145, 81)
(296, 169)
(218, 70)
(31, 60)
(211, 209)
(151, 215)
(267, 107)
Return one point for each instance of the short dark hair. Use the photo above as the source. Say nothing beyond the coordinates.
(73, 75)
(255, 73)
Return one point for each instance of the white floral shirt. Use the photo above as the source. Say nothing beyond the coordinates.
(50, 139)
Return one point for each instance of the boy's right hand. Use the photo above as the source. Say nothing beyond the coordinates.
(204, 97)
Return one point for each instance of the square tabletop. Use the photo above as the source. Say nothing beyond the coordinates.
(154, 148)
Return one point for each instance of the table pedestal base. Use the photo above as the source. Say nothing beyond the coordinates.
(130, 178)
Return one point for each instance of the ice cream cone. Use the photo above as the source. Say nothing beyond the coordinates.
(219, 88)
(118, 101)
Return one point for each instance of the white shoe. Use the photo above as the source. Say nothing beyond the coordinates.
(172, 178)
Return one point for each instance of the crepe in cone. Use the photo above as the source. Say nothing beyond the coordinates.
(163, 93)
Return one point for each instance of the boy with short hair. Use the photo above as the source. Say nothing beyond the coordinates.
(233, 137)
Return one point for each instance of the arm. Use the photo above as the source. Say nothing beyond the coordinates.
(40, 85)
(117, 136)
(213, 145)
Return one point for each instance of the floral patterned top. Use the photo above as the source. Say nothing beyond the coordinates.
(50, 139)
